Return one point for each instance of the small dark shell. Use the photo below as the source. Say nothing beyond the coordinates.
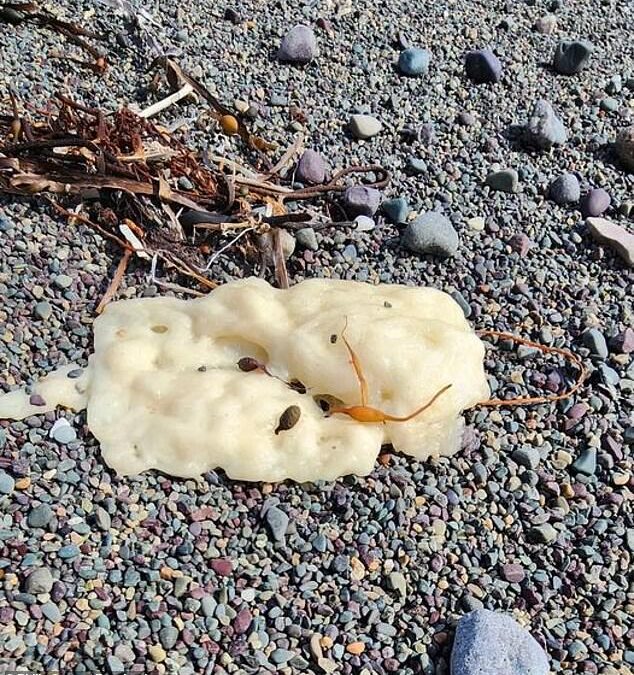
(297, 386)
(333, 339)
(248, 363)
(289, 418)
(326, 401)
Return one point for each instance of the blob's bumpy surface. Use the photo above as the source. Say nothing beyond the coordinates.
(163, 389)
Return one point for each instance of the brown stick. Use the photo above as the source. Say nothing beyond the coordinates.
(530, 400)
(113, 287)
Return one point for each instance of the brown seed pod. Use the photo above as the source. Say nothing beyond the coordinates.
(248, 363)
(288, 419)
(229, 124)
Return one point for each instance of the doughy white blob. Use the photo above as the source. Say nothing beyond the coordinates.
(163, 389)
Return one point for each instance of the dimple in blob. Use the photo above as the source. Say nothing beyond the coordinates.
(366, 413)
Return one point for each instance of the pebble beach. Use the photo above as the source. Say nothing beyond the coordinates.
(507, 129)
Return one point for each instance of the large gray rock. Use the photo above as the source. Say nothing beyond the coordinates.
(299, 45)
(544, 128)
(39, 581)
(489, 643)
(431, 233)
(565, 189)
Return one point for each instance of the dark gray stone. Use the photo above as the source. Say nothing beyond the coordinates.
(572, 57)
(505, 180)
(565, 189)
(483, 66)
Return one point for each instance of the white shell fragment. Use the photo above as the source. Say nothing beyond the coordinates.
(163, 389)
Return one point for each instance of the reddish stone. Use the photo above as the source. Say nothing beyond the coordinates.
(513, 573)
(222, 566)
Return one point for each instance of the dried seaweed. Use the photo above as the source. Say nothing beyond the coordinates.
(123, 171)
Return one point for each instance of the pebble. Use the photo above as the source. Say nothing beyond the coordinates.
(63, 281)
(622, 342)
(526, 456)
(359, 200)
(571, 57)
(102, 518)
(299, 45)
(39, 581)
(115, 666)
(68, 552)
(513, 573)
(7, 483)
(62, 432)
(595, 202)
(543, 534)
(565, 189)
(546, 25)
(414, 61)
(544, 129)
(595, 341)
(307, 238)
(43, 310)
(624, 146)
(280, 656)
(168, 637)
(396, 210)
(277, 523)
(311, 168)
(364, 224)
(586, 463)
(477, 223)
(616, 237)
(398, 583)
(488, 643)
(482, 66)
(51, 611)
(431, 233)
(364, 126)
(505, 180)
(40, 515)
(157, 653)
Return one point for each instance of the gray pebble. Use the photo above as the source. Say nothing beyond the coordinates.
(595, 341)
(572, 57)
(505, 180)
(543, 534)
(364, 126)
(431, 233)
(7, 483)
(307, 238)
(277, 522)
(544, 129)
(43, 310)
(63, 281)
(565, 189)
(51, 612)
(526, 456)
(39, 581)
(359, 200)
(396, 210)
(40, 515)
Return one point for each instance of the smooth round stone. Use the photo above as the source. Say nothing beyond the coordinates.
(64, 434)
(359, 200)
(299, 45)
(311, 168)
(63, 281)
(307, 238)
(595, 202)
(39, 581)
(43, 310)
(364, 224)
(364, 126)
(565, 189)
(414, 61)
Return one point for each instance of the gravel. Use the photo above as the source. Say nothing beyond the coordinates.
(198, 555)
